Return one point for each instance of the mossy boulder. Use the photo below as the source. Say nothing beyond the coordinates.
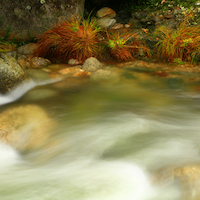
(11, 73)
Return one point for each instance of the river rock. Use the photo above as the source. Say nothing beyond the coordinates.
(73, 62)
(27, 49)
(106, 12)
(187, 177)
(106, 22)
(38, 62)
(92, 64)
(70, 70)
(25, 127)
(11, 73)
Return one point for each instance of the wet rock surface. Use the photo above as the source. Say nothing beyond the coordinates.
(187, 177)
(11, 73)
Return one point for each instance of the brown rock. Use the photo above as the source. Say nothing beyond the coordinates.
(117, 26)
(27, 49)
(70, 70)
(106, 12)
(188, 178)
(38, 62)
(82, 74)
(25, 127)
(23, 63)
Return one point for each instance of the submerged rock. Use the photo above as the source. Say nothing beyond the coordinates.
(70, 70)
(11, 73)
(25, 127)
(105, 74)
(187, 178)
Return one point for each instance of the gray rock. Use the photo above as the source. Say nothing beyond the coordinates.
(12, 53)
(106, 22)
(11, 73)
(91, 64)
(106, 11)
(27, 49)
(73, 62)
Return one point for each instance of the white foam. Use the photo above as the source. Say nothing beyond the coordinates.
(8, 156)
(17, 92)
(21, 89)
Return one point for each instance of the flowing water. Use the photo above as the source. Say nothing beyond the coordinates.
(108, 141)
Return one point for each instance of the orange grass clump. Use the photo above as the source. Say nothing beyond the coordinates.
(182, 44)
(124, 46)
(70, 39)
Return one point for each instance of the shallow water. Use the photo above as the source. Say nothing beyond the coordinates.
(108, 141)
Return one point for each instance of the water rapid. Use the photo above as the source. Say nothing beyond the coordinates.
(106, 144)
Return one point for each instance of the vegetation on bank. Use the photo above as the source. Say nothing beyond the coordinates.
(83, 38)
(76, 39)
(10, 45)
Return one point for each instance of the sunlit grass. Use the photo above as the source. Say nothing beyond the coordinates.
(183, 43)
(123, 47)
(70, 39)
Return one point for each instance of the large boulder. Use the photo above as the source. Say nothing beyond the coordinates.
(11, 73)
(25, 127)
(29, 18)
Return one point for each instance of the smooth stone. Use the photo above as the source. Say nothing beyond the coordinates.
(92, 64)
(70, 70)
(38, 62)
(27, 49)
(25, 127)
(106, 11)
(106, 22)
(11, 73)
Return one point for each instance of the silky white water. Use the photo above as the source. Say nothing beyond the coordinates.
(107, 143)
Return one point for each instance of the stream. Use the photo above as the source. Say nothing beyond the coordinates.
(108, 141)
